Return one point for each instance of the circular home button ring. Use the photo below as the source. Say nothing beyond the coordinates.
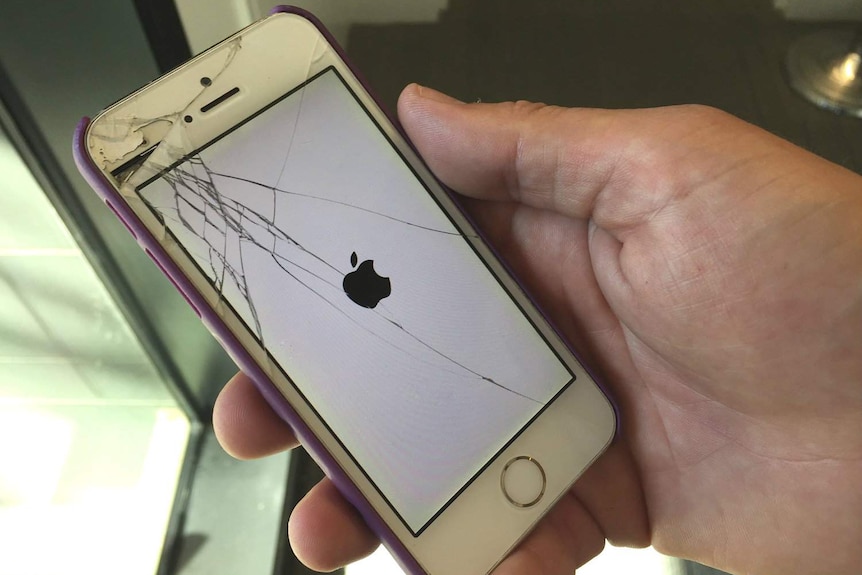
(523, 481)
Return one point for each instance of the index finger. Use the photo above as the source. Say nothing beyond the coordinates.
(245, 424)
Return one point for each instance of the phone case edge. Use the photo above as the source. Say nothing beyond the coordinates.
(235, 350)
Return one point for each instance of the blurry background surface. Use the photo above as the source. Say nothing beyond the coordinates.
(107, 459)
(91, 440)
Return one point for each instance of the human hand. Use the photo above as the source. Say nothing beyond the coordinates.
(710, 272)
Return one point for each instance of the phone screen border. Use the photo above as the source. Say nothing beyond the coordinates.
(418, 532)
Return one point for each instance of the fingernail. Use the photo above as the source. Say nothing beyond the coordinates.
(436, 96)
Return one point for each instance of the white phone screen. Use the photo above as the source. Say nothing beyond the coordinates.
(424, 388)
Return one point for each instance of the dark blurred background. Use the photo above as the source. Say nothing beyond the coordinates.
(107, 379)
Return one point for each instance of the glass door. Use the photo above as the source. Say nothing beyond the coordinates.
(92, 442)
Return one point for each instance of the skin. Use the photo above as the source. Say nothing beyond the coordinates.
(712, 274)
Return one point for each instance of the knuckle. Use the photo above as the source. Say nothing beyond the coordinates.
(527, 110)
(702, 114)
(526, 107)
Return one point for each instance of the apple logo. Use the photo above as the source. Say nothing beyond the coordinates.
(364, 286)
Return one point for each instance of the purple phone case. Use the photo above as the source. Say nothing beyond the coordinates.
(232, 346)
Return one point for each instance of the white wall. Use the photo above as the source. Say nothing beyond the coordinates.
(209, 21)
(338, 15)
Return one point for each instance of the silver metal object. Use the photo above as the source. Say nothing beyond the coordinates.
(824, 67)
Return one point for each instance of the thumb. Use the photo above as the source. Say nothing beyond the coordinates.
(608, 165)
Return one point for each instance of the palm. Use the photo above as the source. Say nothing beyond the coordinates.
(661, 300)
(709, 273)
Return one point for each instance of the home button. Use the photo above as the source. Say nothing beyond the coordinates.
(523, 481)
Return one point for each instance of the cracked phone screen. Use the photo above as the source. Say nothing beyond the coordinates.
(340, 262)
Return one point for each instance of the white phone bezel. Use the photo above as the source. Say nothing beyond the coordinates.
(266, 60)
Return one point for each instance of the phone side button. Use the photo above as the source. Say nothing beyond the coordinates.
(167, 275)
(523, 481)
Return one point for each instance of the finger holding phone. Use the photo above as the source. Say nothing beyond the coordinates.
(708, 270)
(349, 285)
(739, 393)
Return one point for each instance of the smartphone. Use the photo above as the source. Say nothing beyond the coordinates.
(314, 243)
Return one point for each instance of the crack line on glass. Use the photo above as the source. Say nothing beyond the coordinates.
(236, 217)
(331, 201)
